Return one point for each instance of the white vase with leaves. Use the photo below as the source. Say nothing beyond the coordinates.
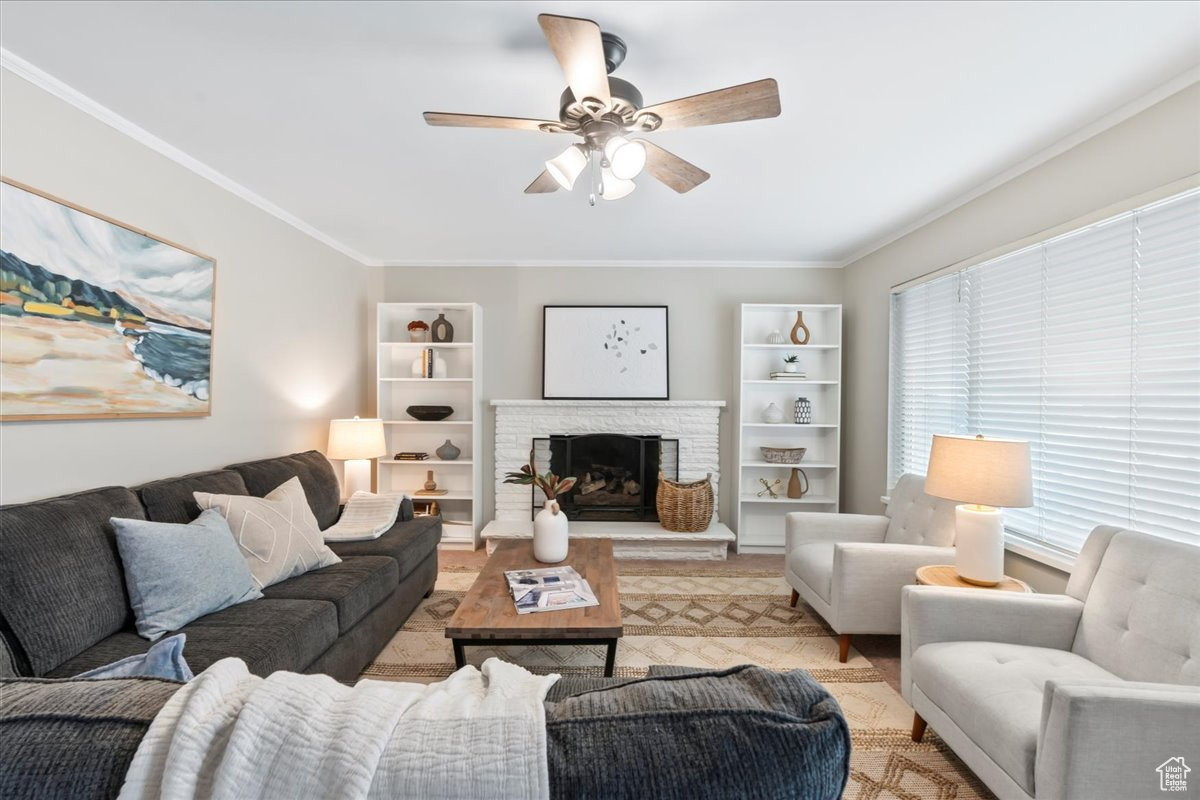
(550, 529)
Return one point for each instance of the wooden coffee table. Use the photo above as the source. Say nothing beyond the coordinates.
(487, 615)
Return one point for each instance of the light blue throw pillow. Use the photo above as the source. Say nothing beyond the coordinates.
(164, 659)
(177, 573)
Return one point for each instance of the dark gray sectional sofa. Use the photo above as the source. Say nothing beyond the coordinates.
(64, 607)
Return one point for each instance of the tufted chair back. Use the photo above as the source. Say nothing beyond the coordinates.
(1141, 611)
(918, 518)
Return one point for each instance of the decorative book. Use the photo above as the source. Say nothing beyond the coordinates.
(549, 589)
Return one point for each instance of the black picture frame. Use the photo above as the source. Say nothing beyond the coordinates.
(548, 394)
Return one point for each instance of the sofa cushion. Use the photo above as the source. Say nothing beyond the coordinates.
(316, 476)
(813, 564)
(993, 691)
(74, 740)
(407, 543)
(740, 732)
(1141, 616)
(918, 518)
(267, 634)
(63, 588)
(355, 586)
(170, 500)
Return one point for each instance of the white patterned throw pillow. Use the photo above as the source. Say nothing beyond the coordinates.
(278, 534)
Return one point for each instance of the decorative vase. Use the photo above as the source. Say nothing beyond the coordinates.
(448, 452)
(418, 334)
(773, 414)
(441, 330)
(789, 366)
(803, 411)
(797, 488)
(550, 534)
(775, 337)
(798, 327)
(430, 483)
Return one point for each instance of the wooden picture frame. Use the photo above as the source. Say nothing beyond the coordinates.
(99, 319)
(605, 352)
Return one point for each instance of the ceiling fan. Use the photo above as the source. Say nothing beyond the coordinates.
(604, 111)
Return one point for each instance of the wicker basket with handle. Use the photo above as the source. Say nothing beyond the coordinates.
(685, 507)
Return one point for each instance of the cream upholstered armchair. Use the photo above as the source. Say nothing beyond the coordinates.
(1082, 696)
(851, 567)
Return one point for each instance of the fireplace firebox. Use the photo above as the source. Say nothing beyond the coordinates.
(617, 473)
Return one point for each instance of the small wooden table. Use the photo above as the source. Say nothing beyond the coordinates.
(945, 575)
(487, 615)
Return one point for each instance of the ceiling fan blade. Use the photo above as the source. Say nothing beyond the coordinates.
(484, 121)
(542, 184)
(672, 170)
(577, 45)
(757, 100)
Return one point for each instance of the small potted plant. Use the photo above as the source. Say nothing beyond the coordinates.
(789, 362)
(550, 524)
(417, 330)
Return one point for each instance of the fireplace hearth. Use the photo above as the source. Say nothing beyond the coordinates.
(618, 473)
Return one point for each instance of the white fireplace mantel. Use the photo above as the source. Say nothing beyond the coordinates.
(694, 424)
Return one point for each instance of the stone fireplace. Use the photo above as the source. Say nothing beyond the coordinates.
(578, 437)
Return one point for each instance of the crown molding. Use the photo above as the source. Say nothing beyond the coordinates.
(607, 264)
(68, 94)
(1110, 120)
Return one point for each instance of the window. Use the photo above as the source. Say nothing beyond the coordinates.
(1086, 344)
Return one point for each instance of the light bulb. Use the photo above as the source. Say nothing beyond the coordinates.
(615, 188)
(625, 158)
(567, 165)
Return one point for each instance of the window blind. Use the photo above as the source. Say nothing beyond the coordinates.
(1088, 346)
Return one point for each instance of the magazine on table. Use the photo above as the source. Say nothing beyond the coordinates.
(549, 589)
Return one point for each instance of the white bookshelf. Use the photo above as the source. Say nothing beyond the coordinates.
(396, 389)
(760, 520)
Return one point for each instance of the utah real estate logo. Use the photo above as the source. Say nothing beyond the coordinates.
(1172, 775)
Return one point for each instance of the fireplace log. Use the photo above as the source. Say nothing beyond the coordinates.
(589, 485)
(632, 487)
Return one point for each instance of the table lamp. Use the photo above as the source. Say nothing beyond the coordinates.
(985, 475)
(356, 441)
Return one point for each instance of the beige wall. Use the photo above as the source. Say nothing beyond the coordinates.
(290, 312)
(1153, 148)
(703, 326)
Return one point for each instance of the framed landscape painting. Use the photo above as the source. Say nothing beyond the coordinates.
(605, 353)
(98, 319)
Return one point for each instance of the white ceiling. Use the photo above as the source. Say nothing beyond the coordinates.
(890, 111)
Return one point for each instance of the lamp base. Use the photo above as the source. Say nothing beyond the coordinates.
(357, 476)
(979, 544)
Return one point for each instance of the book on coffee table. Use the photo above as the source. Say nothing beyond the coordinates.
(549, 589)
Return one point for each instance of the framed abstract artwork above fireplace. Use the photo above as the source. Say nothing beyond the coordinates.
(605, 353)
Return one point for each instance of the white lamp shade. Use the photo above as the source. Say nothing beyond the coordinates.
(567, 165)
(356, 438)
(987, 472)
(614, 187)
(625, 158)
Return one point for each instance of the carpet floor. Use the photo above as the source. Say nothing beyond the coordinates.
(713, 617)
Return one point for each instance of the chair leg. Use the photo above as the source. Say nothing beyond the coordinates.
(843, 647)
(918, 727)
(795, 598)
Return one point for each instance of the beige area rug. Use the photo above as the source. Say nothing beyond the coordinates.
(718, 618)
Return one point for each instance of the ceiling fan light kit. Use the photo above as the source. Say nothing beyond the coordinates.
(603, 110)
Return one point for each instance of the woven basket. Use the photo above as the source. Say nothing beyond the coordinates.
(685, 507)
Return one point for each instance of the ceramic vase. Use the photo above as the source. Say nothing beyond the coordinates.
(775, 337)
(550, 534)
(430, 483)
(800, 332)
(448, 452)
(803, 411)
(797, 484)
(773, 414)
(441, 330)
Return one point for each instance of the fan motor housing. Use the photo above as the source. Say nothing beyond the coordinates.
(626, 100)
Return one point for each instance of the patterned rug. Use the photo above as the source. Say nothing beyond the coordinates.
(714, 618)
